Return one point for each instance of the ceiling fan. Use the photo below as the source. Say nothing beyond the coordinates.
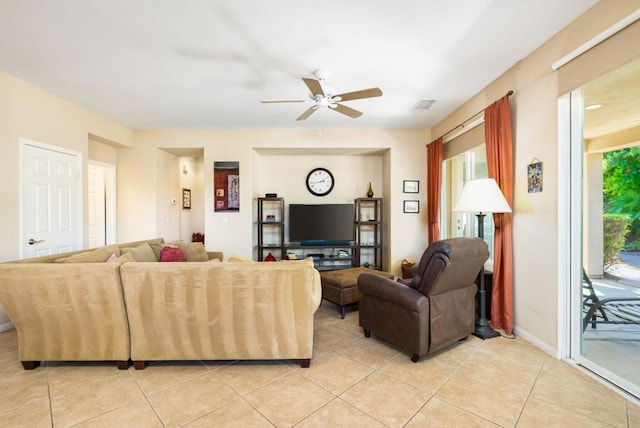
(324, 96)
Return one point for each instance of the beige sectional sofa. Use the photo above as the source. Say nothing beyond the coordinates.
(80, 307)
(221, 311)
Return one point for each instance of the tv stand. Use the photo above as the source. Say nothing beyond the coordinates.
(320, 243)
(326, 257)
(367, 250)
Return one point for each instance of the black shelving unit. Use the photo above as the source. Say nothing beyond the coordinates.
(271, 228)
(369, 234)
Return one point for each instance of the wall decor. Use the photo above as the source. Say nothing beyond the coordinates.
(411, 206)
(186, 199)
(534, 176)
(226, 184)
(410, 186)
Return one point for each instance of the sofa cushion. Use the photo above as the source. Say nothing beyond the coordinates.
(141, 253)
(112, 258)
(172, 254)
(195, 251)
(128, 257)
(238, 259)
(99, 255)
(157, 249)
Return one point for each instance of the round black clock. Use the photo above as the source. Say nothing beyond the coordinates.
(320, 181)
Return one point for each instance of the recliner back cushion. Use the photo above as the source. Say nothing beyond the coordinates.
(450, 264)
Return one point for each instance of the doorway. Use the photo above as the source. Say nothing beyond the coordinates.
(101, 203)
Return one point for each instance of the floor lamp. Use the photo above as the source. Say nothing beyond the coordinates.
(482, 196)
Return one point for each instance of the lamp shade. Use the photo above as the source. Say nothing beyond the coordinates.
(482, 196)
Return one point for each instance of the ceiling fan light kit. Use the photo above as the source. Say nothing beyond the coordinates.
(325, 96)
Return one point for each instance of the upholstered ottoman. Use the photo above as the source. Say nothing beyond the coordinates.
(341, 286)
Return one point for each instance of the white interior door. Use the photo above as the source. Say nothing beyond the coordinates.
(96, 204)
(51, 205)
(101, 203)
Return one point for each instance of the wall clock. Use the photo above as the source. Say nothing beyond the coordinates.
(320, 181)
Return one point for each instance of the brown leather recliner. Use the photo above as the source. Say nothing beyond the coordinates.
(434, 308)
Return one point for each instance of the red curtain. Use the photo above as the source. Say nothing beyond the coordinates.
(497, 125)
(434, 187)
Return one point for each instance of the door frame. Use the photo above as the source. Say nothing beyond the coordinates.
(110, 199)
(571, 160)
(570, 140)
(24, 142)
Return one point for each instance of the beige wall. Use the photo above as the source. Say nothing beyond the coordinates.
(101, 152)
(29, 112)
(273, 161)
(535, 129)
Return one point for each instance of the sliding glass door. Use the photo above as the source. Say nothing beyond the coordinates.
(593, 258)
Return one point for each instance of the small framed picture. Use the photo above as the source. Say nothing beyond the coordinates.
(411, 206)
(534, 177)
(410, 186)
(186, 199)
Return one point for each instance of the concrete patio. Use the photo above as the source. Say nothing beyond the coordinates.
(616, 347)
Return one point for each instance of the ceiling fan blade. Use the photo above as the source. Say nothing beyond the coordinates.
(356, 95)
(308, 112)
(314, 86)
(347, 111)
(282, 101)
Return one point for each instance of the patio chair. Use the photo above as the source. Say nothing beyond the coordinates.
(614, 310)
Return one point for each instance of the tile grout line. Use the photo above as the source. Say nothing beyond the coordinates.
(474, 351)
(49, 395)
(533, 385)
(146, 398)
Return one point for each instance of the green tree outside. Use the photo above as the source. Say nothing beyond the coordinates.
(621, 190)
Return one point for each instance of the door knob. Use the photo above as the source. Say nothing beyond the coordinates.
(33, 241)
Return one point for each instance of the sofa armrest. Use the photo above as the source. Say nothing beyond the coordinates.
(215, 255)
(391, 291)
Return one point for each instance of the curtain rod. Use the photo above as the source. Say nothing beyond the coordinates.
(509, 93)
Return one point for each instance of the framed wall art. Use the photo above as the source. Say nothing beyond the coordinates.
(186, 199)
(410, 186)
(411, 207)
(534, 176)
(226, 183)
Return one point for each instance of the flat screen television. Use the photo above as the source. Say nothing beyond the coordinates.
(325, 224)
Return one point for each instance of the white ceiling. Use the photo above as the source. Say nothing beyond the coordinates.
(619, 94)
(159, 64)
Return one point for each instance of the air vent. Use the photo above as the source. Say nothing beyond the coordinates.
(424, 104)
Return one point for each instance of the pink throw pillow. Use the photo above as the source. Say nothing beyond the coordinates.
(171, 254)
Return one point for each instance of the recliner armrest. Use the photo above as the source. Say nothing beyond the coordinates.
(391, 291)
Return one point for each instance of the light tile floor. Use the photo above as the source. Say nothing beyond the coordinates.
(352, 382)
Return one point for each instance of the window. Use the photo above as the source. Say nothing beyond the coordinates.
(456, 171)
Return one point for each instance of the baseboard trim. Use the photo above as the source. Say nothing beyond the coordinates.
(6, 326)
(544, 347)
